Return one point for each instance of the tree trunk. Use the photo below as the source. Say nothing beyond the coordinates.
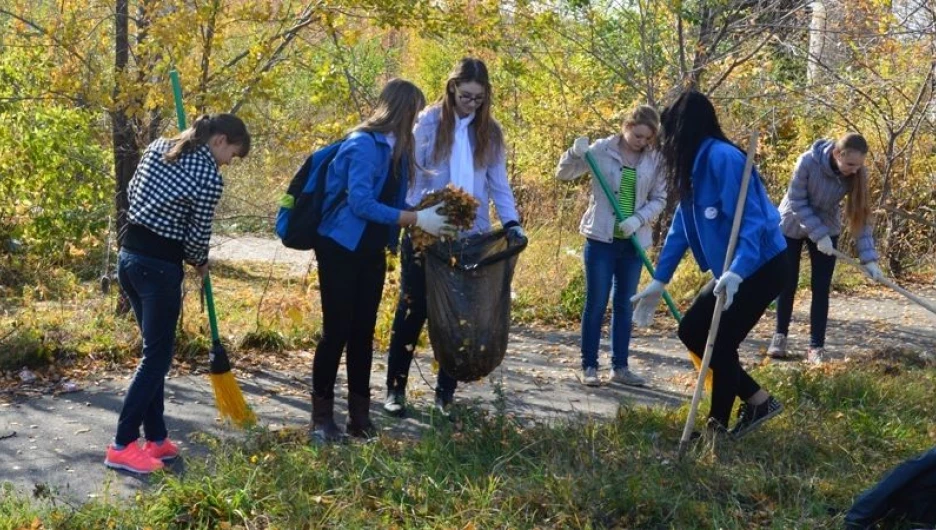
(126, 149)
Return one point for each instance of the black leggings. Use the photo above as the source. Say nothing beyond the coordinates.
(754, 295)
(351, 286)
(820, 283)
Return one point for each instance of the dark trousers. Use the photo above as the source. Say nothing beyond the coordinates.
(351, 286)
(820, 283)
(154, 289)
(729, 380)
(408, 323)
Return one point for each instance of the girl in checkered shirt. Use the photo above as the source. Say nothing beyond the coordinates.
(172, 198)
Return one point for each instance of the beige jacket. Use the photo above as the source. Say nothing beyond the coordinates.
(598, 222)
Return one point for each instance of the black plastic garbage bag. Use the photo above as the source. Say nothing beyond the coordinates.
(468, 292)
(907, 493)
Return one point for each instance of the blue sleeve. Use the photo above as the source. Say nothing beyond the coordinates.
(360, 164)
(674, 248)
(728, 167)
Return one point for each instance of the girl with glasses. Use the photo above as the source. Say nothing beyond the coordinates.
(457, 142)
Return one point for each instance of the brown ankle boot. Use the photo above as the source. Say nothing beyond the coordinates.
(324, 429)
(359, 423)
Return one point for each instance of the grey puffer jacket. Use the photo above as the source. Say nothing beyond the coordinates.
(812, 206)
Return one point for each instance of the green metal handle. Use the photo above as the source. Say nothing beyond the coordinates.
(209, 303)
(596, 173)
(177, 95)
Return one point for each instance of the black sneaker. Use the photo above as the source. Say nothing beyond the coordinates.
(751, 417)
(395, 404)
(443, 405)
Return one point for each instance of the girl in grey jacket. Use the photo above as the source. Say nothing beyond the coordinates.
(628, 161)
(811, 213)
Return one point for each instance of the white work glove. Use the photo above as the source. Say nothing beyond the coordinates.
(629, 226)
(647, 301)
(873, 271)
(433, 222)
(825, 245)
(728, 284)
(580, 146)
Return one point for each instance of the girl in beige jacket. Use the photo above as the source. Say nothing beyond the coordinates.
(612, 264)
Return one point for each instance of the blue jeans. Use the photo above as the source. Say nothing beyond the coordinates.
(609, 267)
(820, 283)
(154, 289)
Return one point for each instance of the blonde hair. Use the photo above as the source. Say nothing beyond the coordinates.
(397, 107)
(643, 115)
(858, 200)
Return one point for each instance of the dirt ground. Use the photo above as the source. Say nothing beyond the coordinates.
(59, 440)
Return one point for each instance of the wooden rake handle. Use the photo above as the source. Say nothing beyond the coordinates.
(919, 300)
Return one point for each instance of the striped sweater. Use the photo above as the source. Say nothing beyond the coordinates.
(812, 206)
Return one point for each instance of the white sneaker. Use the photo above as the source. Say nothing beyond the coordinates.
(815, 355)
(590, 377)
(777, 349)
(626, 377)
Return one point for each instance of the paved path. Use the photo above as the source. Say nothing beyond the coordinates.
(59, 440)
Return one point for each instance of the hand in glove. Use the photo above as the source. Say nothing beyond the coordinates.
(873, 271)
(728, 284)
(825, 245)
(580, 146)
(629, 226)
(647, 301)
(516, 235)
(435, 223)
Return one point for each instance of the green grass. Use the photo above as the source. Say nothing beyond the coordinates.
(842, 428)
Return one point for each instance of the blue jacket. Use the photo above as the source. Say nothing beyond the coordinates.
(702, 221)
(361, 168)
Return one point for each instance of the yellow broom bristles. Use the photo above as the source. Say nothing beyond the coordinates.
(230, 400)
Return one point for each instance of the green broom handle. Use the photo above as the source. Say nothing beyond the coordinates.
(177, 95)
(180, 116)
(620, 217)
(209, 302)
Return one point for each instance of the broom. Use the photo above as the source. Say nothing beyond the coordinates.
(596, 173)
(228, 397)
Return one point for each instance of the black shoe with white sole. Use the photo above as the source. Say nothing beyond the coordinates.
(751, 417)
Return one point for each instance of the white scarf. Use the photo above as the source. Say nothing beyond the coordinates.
(461, 161)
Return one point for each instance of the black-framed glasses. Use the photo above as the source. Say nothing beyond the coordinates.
(468, 98)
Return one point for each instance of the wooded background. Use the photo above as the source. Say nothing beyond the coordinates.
(84, 87)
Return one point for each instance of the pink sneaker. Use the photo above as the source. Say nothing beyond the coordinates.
(131, 458)
(166, 451)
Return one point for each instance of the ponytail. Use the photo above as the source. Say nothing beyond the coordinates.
(201, 131)
(858, 201)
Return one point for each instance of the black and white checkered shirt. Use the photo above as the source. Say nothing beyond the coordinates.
(177, 200)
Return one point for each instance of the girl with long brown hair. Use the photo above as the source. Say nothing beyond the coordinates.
(365, 189)
(457, 142)
(811, 214)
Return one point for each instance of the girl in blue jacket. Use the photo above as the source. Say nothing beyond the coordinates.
(367, 180)
(704, 170)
